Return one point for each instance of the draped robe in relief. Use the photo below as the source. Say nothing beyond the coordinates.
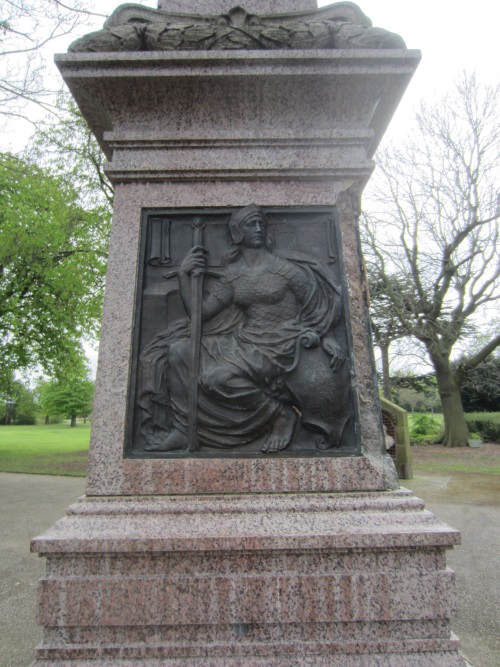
(244, 357)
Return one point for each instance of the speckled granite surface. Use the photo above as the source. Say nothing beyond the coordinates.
(313, 579)
(241, 562)
(227, 129)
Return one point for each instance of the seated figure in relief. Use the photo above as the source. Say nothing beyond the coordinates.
(259, 317)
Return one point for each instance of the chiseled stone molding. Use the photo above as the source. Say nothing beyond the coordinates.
(136, 28)
(303, 128)
(221, 6)
(276, 581)
(355, 520)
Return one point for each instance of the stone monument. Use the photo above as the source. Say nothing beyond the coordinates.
(240, 507)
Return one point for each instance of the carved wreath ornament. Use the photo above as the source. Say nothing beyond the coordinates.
(136, 28)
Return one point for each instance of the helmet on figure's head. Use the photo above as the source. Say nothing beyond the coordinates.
(239, 217)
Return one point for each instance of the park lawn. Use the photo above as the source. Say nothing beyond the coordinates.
(436, 458)
(56, 449)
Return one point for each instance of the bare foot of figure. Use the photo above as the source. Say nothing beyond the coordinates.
(281, 433)
(175, 440)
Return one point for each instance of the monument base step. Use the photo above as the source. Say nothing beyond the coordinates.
(431, 659)
(351, 579)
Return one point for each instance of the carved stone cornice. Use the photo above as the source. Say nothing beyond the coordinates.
(137, 28)
(219, 100)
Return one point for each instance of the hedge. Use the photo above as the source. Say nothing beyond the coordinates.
(486, 424)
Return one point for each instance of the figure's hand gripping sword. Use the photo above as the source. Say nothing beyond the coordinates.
(194, 352)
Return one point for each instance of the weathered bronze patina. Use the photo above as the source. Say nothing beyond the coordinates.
(242, 346)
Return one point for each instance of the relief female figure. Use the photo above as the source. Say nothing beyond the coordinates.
(260, 314)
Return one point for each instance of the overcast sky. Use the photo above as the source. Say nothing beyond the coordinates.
(453, 35)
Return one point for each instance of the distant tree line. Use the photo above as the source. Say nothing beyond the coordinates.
(50, 401)
(480, 390)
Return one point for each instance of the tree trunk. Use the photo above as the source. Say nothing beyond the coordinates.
(456, 433)
(386, 375)
(47, 420)
(73, 420)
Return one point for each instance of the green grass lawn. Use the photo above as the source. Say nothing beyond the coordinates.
(60, 450)
(56, 449)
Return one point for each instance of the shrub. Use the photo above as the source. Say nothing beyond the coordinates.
(56, 419)
(25, 420)
(486, 424)
(425, 430)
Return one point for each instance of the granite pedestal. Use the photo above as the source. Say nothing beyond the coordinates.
(270, 560)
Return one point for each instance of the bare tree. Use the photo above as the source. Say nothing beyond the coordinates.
(431, 237)
(386, 329)
(26, 26)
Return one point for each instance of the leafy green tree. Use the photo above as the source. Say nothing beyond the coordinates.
(425, 430)
(432, 238)
(17, 403)
(409, 399)
(480, 389)
(27, 408)
(53, 256)
(72, 398)
(415, 392)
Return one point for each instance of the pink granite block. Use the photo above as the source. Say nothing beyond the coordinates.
(129, 601)
(424, 659)
(82, 602)
(256, 600)
(240, 563)
(59, 567)
(381, 598)
(220, 600)
(250, 476)
(246, 523)
(297, 596)
(424, 595)
(177, 601)
(50, 602)
(248, 641)
(285, 145)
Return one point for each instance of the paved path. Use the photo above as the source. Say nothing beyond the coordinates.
(471, 503)
(31, 503)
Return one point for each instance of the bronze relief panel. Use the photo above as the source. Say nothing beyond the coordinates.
(241, 341)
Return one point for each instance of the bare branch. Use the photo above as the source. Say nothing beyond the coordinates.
(79, 11)
(470, 363)
(30, 26)
(432, 239)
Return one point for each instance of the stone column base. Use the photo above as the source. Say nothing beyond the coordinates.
(344, 580)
